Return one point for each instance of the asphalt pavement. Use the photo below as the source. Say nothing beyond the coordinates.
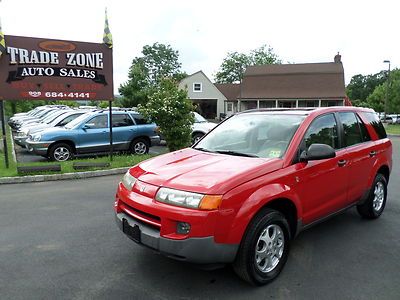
(58, 240)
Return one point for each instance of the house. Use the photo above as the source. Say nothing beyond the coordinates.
(270, 86)
(231, 91)
(292, 85)
(208, 100)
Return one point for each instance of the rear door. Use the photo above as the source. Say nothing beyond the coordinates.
(123, 131)
(361, 154)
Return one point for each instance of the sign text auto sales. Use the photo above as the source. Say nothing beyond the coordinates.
(34, 68)
(23, 56)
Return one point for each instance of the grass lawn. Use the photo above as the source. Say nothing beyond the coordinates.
(393, 129)
(119, 161)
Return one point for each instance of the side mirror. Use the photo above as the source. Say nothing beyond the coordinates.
(87, 126)
(317, 152)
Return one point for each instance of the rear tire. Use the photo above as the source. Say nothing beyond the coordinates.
(373, 207)
(61, 152)
(139, 146)
(264, 249)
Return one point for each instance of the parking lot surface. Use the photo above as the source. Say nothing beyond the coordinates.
(59, 240)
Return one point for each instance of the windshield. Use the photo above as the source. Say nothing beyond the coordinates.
(254, 135)
(76, 122)
(49, 118)
(198, 118)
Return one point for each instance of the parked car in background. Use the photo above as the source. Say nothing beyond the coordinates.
(200, 127)
(35, 113)
(241, 193)
(47, 112)
(89, 134)
(58, 120)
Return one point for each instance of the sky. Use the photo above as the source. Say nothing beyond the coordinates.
(304, 31)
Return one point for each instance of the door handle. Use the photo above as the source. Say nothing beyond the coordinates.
(341, 162)
(372, 153)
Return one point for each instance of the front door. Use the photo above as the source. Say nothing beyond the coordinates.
(322, 184)
(94, 135)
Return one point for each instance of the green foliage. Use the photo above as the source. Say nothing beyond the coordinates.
(360, 86)
(235, 64)
(146, 72)
(170, 109)
(377, 99)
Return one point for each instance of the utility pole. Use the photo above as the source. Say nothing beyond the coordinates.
(387, 90)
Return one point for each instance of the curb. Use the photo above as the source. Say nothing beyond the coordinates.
(65, 176)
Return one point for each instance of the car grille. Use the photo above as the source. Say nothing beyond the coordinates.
(142, 216)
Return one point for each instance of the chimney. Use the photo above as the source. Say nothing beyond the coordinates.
(338, 58)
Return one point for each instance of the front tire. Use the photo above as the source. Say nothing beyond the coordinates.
(373, 207)
(61, 152)
(264, 249)
(139, 146)
(196, 137)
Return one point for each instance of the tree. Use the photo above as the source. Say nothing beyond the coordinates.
(235, 64)
(360, 86)
(157, 61)
(169, 107)
(377, 98)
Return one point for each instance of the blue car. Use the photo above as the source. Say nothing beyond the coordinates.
(90, 133)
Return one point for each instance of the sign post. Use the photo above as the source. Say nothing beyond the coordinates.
(3, 130)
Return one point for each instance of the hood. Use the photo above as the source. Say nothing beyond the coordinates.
(203, 172)
(53, 130)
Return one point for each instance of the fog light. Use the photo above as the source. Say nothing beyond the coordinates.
(182, 228)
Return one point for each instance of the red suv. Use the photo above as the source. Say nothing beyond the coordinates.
(242, 192)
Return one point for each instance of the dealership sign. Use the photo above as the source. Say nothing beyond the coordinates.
(35, 68)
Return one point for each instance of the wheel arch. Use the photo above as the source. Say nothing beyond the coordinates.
(68, 142)
(274, 196)
(385, 171)
(198, 132)
(144, 137)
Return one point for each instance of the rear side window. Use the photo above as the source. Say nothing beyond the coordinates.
(364, 132)
(121, 120)
(139, 120)
(373, 120)
(351, 129)
(323, 130)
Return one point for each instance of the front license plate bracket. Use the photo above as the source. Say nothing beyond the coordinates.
(131, 231)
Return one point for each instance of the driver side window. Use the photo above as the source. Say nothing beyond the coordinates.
(98, 122)
(323, 130)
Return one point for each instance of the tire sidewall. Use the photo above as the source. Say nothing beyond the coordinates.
(259, 277)
(53, 149)
(382, 179)
(136, 141)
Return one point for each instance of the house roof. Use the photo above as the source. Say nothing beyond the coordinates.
(294, 81)
(230, 90)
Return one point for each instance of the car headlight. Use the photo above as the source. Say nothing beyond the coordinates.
(188, 199)
(36, 137)
(20, 134)
(128, 181)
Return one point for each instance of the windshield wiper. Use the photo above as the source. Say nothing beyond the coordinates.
(204, 149)
(230, 152)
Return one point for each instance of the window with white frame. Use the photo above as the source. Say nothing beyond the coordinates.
(197, 87)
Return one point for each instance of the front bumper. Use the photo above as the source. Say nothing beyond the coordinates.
(20, 140)
(39, 148)
(201, 250)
